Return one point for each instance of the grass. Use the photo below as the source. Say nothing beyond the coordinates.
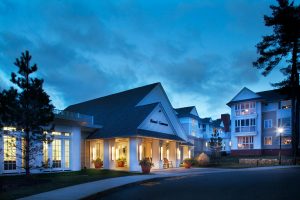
(17, 186)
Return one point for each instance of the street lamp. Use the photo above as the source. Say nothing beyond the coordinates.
(280, 131)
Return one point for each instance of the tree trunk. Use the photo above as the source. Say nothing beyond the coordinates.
(27, 150)
(295, 103)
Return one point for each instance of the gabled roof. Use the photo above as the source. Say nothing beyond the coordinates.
(217, 123)
(269, 95)
(206, 120)
(186, 112)
(118, 113)
(273, 95)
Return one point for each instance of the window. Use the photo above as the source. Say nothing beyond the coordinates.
(286, 140)
(67, 153)
(193, 133)
(285, 104)
(268, 140)
(245, 108)
(45, 154)
(284, 122)
(268, 123)
(203, 127)
(56, 153)
(10, 152)
(245, 125)
(245, 142)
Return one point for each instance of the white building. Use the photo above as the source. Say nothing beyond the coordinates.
(255, 118)
(129, 125)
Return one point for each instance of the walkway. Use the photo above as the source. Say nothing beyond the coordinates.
(88, 189)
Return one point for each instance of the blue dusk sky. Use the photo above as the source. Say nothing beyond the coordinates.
(201, 51)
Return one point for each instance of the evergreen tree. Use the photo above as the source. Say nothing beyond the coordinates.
(30, 111)
(215, 143)
(283, 47)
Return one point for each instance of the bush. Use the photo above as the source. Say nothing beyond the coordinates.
(203, 159)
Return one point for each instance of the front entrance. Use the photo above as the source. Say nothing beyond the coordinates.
(122, 153)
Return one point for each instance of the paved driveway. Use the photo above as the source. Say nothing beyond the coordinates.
(252, 184)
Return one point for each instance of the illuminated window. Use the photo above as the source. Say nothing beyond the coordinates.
(245, 142)
(161, 153)
(67, 153)
(45, 154)
(6, 128)
(268, 140)
(9, 153)
(140, 152)
(168, 154)
(56, 153)
(189, 153)
(23, 153)
(286, 140)
(56, 133)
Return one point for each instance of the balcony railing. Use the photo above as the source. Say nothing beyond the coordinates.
(89, 119)
(245, 129)
(248, 111)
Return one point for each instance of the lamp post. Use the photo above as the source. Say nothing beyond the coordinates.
(280, 131)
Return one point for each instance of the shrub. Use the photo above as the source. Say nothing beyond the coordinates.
(203, 159)
(146, 162)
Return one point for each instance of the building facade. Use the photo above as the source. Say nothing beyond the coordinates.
(127, 126)
(256, 119)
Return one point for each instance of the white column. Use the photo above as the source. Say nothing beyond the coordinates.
(112, 154)
(155, 154)
(106, 158)
(75, 149)
(133, 155)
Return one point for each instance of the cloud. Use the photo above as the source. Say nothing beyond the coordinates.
(86, 50)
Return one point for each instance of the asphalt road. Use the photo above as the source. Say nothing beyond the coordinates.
(283, 184)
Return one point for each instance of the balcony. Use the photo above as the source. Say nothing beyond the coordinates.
(245, 130)
(85, 119)
(242, 112)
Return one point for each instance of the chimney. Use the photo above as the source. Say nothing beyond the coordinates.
(226, 121)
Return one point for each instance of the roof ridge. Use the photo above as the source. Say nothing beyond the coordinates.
(118, 93)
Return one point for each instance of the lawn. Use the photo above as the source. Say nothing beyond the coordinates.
(17, 186)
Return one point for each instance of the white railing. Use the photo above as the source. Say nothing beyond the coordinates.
(74, 116)
(248, 111)
(245, 129)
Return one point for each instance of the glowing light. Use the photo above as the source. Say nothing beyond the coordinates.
(6, 128)
(178, 154)
(189, 153)
(280, 130)
(140, 152)
(113, 153)
(94, 153)
(230, 143)
(168, 154)
(161, 153)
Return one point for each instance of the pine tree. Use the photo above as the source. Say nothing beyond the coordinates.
(283, 47)
(31, 111)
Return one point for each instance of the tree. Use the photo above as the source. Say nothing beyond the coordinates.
(282, 47)
(31, 111)
(215, 143)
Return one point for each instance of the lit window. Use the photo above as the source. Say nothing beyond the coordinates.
(268, 140)
(10, 152)
(56, 133)
(113, 153)
(56, 154)
(45, 154)
(286, 140)
(67, 153)
(6, 128)
(284, 122)
(245, 142)
(161, 153)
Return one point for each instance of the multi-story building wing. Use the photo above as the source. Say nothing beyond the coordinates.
(255, 119)
(190, 121)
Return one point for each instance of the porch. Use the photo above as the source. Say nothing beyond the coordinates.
(125, 153)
